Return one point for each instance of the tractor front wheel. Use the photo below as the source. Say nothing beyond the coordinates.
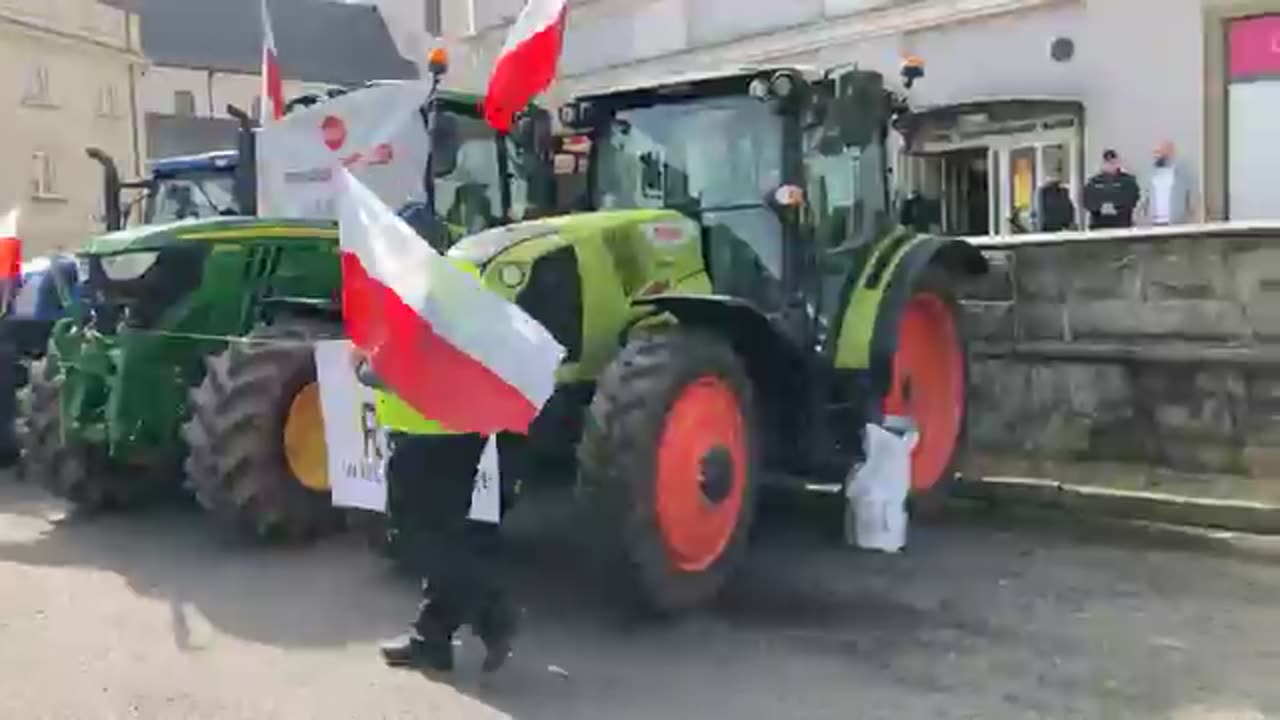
(668, 462)
(72, 470)
(256, 449)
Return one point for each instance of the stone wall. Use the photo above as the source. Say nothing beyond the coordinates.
(1134, 358)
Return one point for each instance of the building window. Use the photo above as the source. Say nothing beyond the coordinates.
(37, 90)
(184, 103)
(434, 18)
(108, 102)
(44, 176)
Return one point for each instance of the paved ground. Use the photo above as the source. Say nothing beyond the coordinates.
(149, 616)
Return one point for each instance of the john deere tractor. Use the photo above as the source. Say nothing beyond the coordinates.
(737, 307)
(192, 353)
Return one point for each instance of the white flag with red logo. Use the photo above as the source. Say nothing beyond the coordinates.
(452, 349)
(272, 81)
(377, 133)
(527, 64)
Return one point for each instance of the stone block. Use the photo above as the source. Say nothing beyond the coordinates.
(988, 321)
(1187, 269)
(1040, 320)
(1213, 320)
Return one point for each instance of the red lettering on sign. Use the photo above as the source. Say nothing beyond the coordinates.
(334, 132)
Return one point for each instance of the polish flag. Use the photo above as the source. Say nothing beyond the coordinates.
(10, 246)
(527, 64)
(450, 348)
(272, 81)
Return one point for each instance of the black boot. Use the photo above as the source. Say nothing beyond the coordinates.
(497, 629)
(413, 651)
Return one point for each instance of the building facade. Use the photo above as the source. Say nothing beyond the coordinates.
(1017, 91)
(68, 80)
(205, 55)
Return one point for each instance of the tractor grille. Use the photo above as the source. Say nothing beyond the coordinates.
(139, 303)
(553, 297)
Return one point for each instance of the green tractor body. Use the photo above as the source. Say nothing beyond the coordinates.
(735, 310)
(192, 351)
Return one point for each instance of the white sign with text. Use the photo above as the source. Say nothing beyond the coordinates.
(356, 445)
(377, 133)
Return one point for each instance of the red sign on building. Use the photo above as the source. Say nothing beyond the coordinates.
(1253, 47)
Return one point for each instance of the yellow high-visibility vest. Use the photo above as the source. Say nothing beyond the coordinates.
(397, 415)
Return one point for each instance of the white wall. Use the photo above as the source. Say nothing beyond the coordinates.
(212, 90)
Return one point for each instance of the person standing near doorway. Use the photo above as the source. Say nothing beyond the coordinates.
(1111, 196)
(1170, 198)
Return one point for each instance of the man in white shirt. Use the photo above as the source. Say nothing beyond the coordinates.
(1170, 196)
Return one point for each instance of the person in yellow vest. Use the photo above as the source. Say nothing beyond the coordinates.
(430, 476)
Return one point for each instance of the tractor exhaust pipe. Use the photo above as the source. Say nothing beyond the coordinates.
(111, 186)
(246, 182)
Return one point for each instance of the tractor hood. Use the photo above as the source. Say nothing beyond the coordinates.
(481, 248)
(226, 229)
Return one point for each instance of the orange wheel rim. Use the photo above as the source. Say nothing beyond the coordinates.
(701, 473)
(928, 385)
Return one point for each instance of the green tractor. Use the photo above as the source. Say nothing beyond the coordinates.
(191, 354)
(736, 307)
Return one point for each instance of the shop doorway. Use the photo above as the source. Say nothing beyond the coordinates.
(984, 164)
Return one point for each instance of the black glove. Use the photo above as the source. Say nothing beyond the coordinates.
(367, 377)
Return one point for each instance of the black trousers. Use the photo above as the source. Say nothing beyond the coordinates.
(429, 483)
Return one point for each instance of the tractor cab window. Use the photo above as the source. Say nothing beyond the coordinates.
(717, 159)
(846, 190)
(193, 196)
(469, 194)
(848, 207)
(695, 156)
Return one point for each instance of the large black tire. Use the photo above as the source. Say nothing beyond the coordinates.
(236, 464)
(73, 471)
(619, 476)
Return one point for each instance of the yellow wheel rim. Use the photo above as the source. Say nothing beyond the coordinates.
(304, 448)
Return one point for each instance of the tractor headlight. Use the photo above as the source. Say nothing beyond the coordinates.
(82, 269)
(759, 89)
(128, 266)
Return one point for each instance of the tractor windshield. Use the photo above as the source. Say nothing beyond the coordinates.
(192, 196)
(469, 195)
(694, 156)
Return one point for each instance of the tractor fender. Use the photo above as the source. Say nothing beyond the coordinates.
(868, 333)
(766, 351)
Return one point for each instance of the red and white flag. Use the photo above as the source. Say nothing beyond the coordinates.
(272, 81)
(527, 64)
(450, 348)
(10, 246)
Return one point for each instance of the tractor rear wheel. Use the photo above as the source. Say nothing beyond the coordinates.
(74, 471)
(668, 463)
(256, 449)
(930, 384)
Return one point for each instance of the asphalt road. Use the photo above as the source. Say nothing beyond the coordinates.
(152, 616)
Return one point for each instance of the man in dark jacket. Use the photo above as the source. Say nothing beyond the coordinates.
(1054, 209)
(1111, 196)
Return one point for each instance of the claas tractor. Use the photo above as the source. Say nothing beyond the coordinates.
(736, 307)
(192, 353)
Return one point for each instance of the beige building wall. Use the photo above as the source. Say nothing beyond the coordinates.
(211, 90)
(68, 70)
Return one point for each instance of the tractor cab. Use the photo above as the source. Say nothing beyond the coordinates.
(783, 170)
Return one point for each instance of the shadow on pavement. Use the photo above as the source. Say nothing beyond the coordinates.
(982, 616)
